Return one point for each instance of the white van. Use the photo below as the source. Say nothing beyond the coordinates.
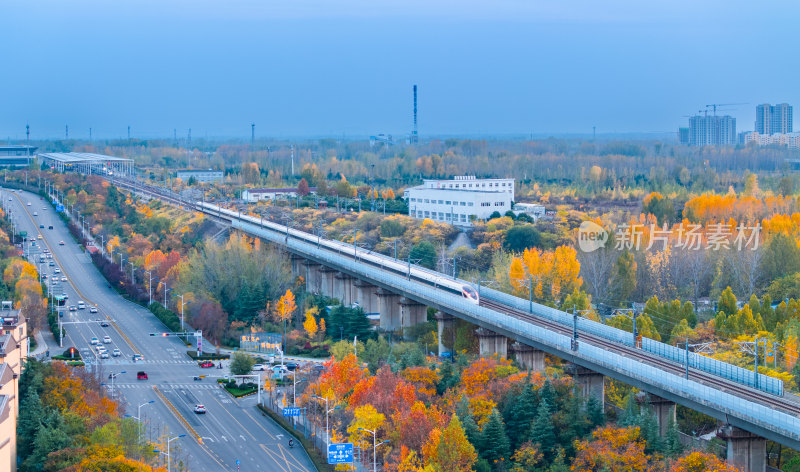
(81, 305)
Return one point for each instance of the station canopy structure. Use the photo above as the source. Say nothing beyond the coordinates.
(87, 163)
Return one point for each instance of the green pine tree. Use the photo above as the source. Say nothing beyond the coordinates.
(543, 431)
(547, 393)
(464, 414)
(673, 446)
(495, 447)
(594, 412)
(559, 463)
(576, 422)
(518, 415)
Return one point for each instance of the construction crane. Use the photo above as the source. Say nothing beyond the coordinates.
(715, 105)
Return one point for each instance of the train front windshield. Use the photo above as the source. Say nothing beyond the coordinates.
(470, 292)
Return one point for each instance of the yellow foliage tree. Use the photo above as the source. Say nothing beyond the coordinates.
(286, 306)
(310, 323)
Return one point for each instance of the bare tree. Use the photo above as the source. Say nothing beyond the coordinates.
(745, 265)
(596, 268)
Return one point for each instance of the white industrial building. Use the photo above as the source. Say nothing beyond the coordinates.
(203, 176)
(460, 200)
(259, 194)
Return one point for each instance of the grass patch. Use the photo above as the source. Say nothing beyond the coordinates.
(207, 357)
(75, 363)
(240, 392)
(320, 461)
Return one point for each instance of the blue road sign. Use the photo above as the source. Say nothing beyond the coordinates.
(291, 411)
(340, 453)
(238, 462)
(60, 208)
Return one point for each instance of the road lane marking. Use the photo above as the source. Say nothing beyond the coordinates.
(177, 414)
(74, 287)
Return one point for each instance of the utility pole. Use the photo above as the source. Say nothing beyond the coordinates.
(252, 135)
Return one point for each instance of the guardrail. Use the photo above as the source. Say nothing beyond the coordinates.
(721, 369)
(781, 425)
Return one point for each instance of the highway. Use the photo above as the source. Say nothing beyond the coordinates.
(232, 430)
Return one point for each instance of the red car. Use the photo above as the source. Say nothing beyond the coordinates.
(141, 375)
(206, 364)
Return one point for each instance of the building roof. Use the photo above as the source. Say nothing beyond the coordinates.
(82, 158)
(10, 319)
(5, 342)
(277, 190)
(13, 147)
(6, 374)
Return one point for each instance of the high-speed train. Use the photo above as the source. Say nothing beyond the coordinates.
(415, 272)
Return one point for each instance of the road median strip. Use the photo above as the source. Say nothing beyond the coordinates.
(177, 414)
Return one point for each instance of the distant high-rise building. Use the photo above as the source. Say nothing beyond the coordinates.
(774, 119)
(683, 135)
(712, 130)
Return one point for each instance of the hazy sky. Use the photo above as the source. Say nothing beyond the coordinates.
(333, 67)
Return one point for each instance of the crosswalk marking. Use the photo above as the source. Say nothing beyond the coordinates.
(166, 386)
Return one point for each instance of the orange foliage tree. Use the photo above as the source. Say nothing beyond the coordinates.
(701, 462)
(612, 448)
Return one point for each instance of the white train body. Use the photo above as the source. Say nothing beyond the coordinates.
(415, 272)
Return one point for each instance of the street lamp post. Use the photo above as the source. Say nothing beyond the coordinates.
(294, 387)
(150, 287)
(169, 465)
(374, 448)
(327, 412)
(182, 305)
(113, 376)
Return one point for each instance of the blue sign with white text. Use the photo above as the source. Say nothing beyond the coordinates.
(341, 453)
(291, 411)
(60, 208)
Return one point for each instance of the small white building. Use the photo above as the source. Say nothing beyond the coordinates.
(534, 210)
(204, 176)
(259, 194)
(460, 200)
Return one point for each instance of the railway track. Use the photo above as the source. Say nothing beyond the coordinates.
(789, 403)
(784, 404)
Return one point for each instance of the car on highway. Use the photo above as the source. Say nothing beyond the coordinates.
(50, 227)
(44, 276)
(63, 278)
(39, 237)
(206, 364)
(99, 347)
(66, 297)
(258, 367)
(104, 355)
(81, 305)
(200, 409)
(61, 243)
(291, 366)
(138, 357)
(35, 213)
(44, 208)
(73, 308)
(104, 324)
(57, 270)
(29, 203)
(51, 264)
(116, 353)
(106, 339)
(141, 375)
(41, 226)
(94, 341)
(92, 309)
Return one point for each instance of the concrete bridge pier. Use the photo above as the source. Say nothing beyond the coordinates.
(297, 266)
(313, 278)
(327, 282)
(528, 356)
(592, 384)
(444, 323)
(364, 294)
(663, 409)
(745, 450)
(491, 343)
(412, 313)
(343, 288)
(389, 308)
